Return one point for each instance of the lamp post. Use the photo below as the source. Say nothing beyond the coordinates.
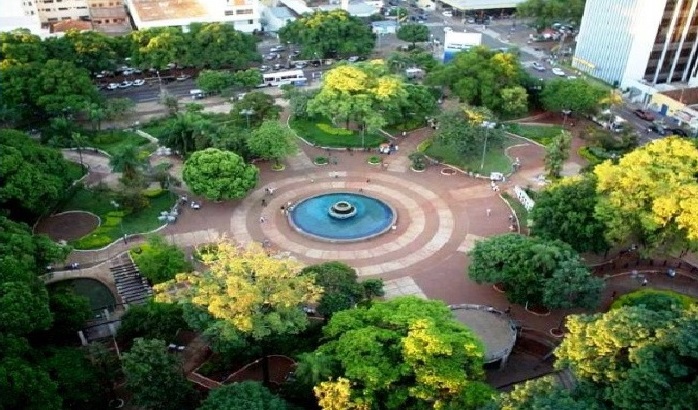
(247, 112)
(121, 221)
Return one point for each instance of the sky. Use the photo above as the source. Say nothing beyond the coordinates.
(11, 8)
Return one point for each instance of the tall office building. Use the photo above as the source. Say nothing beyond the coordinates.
(639, 42)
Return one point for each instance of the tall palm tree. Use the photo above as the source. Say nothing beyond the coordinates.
(79, 141)
(129, 163)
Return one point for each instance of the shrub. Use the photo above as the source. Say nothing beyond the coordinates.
(320, 160)
(111, 221)
(654, 299)
(424, 145)
(153, 192)
(374, 159)
(94, 241)
(206, 251)
(418, 160)
(159, 261)
(332, 130)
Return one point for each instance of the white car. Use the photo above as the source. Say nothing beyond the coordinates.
(571, 77)
(112, 86)
(447, 29)
(277, 49)
(138, 82)
(125, 84)
(559, 72)
(538, 66)
(447, 13)
(353, 59)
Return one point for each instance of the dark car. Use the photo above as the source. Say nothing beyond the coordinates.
(657, 129)
(678, 131)
(644, 114)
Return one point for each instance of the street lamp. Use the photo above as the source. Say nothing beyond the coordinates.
(247, 112)
(121, 221)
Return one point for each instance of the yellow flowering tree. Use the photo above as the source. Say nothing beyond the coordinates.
(651, 195)
(359, 92)
(404, 353)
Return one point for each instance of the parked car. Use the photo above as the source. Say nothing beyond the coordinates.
(644, 114)
(277, 49)
(139, 82)
(295, 53)
(538, 66)
(558, 71)
(447, 29)
(112, 86)
(657, 129)
(264, 68)
(353, 59)
(447, 13)
(183, 77)
(300, 64)
(678, 131)
(271, 56)
(278, 67)
(125, 84)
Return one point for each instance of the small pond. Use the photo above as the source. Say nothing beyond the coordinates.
(99, 295)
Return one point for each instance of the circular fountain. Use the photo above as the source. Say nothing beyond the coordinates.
(342, 217)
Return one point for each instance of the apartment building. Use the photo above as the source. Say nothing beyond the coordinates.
(109, 16)
(243, 14)
(641, 44)
(52, 11)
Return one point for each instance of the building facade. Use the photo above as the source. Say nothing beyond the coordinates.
(629, 43)
(109, 16)
(244, 15)
(53, 11)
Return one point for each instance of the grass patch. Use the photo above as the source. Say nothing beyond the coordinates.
(655, 299)
(521, 212)
(113, 220)
(113, 141)
(541, 134)
(322, 133)
(495, 160)
(409, 125)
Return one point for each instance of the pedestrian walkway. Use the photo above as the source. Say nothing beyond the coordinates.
(299, 162)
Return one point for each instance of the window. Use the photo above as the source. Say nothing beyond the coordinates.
(229, 13)
(244, 11)
(250, 21)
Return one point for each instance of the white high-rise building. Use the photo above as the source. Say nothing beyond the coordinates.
(53, 11)
(242, 14)
(639, 43)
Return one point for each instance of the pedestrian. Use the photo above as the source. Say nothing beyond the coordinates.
(492, 185)
(262, 220)
(511, 228)
(511, 217)
(644, 282)
(368, 180)
(283, 210)
(404, 134)
(264, 202)
(507, 310)
(613, 295)
(489, 212)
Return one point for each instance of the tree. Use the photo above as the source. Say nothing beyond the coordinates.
(214, 81)
(151, 321)
(413, 33)
(467, 136)
(157, 47)
(233, 138)
(329, 34)
(219, 45)
(544, 393)
(358, 92)
(403, 353)
(129, 162)
(419, 99)
(272, 141)
(61, 88)
(20, 46)
(556, 153)
(219, 175)
(76, 378)
(649, 195)
(70, 313)
(247, 78)
(629, 350)
(160, 261)
(566, 211)
(535, 271)
(261, 107)
(478, 77)
(298, 99)
(341, 289)
(188, 131)
(401, 60)
(243, 396)
(577, 95)
(155, 377)
(92, 50)
(34, 178)
(547, 12)
(514, 100)
(249, 296)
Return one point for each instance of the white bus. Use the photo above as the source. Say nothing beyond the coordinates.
(294, 77)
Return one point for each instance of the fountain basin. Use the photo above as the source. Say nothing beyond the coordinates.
(342, 217)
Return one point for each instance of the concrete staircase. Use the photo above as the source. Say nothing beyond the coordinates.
(132, 287)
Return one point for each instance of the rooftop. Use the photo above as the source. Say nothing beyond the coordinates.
(66, 25)
(154, 10)
(688, 96)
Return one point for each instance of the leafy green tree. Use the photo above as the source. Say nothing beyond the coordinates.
(404, 353)
(76, 378)
(23, 384)
(260, 107)
(92, 50)
(243, 396)
(219, 175)
(419, 100)
(34, 178)
(155, 377)
(465, 136)
(20, 46)
(566, 211)
(158, 47)
(547, 12)
(214, 81)
(478, 77)
(70, 312)
(151, 321)
(514, 100)
(629, 350)
(298, 99)
(341, 287)
(578, 95)
(328, 33)
(117, 108)
(655, 299)
(231, 137)
(219, 45)
(188, 131)
(544, 393)
(413, 33)
(160, 261)
(272, 141)
(61, 88)
(535, 271)
(556, 153)
(247, 78)
(399, 61)
(129, 162)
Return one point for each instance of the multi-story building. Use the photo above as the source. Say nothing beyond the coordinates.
(52, 11)
(243, 14)
(639, 44)
(109, 16)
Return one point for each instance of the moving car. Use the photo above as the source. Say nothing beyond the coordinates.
(678, 131)
(538, 66)
(277, 49)
(138, 82)
(300, 64)
(558, 71)
(271, 56)
(447, 13)
(644, 114)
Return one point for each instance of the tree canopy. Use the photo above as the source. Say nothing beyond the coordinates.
(328, 34)
(399, 354)
(535, 271)
(219, 175)
(413, 33)
(651, 195)
(160, 261)
(556, 153)
(272, 141)
(151, 321)
(566, 211)
(255, 107)
(480, 75)
(218, 45)
(465, 134)
(547, 12)
(246, 395)
(578, 95)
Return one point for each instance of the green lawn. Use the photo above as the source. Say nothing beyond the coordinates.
(542, 134)
(495, 160)
(322, 133)
(99, 203)
(113, 141)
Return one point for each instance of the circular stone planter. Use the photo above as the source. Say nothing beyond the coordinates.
(373, 163)
(116, 403)
(558, 333)
(499, 287)
(538, 311)
(320, 164)
(280, 168)
(448, 171)
(417, 170)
